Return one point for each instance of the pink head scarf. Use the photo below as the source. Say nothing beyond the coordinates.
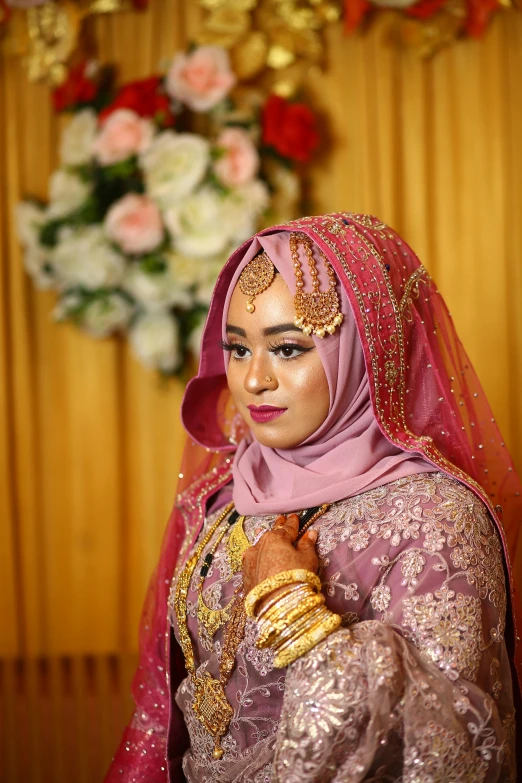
(348, 454)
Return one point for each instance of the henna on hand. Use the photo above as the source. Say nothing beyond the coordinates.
(275, 552)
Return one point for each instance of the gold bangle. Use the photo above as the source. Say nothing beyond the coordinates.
(270, 634)
(269, 604)
(296, 628)
(307, 641)
(280, 608)
(278, 580)
(313, 619)
(283, 604)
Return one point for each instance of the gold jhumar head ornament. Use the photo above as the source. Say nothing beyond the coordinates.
(316, 312)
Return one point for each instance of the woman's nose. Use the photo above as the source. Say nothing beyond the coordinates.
(260, 377)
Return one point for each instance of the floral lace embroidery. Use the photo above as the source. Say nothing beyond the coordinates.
(447, 627)
(430, 543)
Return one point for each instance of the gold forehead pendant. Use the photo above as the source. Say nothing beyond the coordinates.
(316, 312)
(255, 278)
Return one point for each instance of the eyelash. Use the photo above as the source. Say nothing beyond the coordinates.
(273, 348)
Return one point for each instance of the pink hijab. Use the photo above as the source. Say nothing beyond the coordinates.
(348, 454)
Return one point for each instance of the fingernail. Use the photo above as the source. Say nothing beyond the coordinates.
(312, 535)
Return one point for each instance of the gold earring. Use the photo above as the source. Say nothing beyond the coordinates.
(255, 278)
(268, 379)
(316, 312)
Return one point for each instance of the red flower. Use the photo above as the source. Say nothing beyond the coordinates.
(290, 128)
(146, 98)
(479, 13)
(425, 8)
(5, 13)
(76, 89)
(354, 13)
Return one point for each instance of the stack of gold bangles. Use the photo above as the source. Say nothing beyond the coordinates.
(296, 619)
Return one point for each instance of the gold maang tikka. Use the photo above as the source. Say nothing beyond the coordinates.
(255, 278)
(316, 312)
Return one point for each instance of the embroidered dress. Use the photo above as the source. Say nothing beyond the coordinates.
(415, 687)
(421, 683)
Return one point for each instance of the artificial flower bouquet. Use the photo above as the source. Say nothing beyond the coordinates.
(158, 182)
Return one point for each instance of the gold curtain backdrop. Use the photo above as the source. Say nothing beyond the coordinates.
(91, 442)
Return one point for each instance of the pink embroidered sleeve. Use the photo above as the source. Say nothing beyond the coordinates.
(417, 688)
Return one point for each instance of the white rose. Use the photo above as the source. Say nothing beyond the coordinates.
(208, 274)
(174, 165)
(84, 257)
(194, 341)
(197, 273)
(106, 315)
(183, 269)
(155, 340)
(198, 225)
(78, 138)
(157, 290)
(29, 219)
(37, 263)
(242, 208)
(67, 303)
(67, 193)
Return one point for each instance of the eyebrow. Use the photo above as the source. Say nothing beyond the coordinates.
(270, 330)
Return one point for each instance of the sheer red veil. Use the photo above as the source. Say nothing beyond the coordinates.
(426, 399)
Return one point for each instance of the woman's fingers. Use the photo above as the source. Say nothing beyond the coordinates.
(306, 546)
(288, 526)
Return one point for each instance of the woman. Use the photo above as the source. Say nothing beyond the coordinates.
(341, 432)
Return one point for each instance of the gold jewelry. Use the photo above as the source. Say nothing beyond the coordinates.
(284, 601)
(268, 379)
(255, 278)
(316, 312)
(319, 513)
(237, 545)
(210, 706)
(280, 596)
(280, 604)
(277, 625)
(308, 641)
(212, 619)
(279, 580)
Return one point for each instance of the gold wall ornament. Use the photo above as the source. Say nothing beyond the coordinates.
(53, 30)
(276, 41)
(46, 35)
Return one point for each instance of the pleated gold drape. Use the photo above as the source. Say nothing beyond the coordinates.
(90, 442)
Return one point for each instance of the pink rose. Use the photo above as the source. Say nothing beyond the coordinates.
(239, 162)
(123, 134)
(134, 223)
(200, 79)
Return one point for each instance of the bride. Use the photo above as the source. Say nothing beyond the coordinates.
(334, 599)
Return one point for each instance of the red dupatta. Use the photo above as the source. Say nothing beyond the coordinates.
(426, 399)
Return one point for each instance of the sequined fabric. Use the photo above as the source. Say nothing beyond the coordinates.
(416, 686)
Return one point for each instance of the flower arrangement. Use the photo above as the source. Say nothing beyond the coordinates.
(158, 182)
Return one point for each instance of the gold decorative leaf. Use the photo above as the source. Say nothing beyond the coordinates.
(279, 57)
(249, 56)
(233, 5)
(53, 30)
(225, 27)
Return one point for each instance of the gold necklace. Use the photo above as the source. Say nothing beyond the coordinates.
(210, 704)
(238, 543)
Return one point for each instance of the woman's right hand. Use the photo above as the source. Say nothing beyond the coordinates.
(277, 551)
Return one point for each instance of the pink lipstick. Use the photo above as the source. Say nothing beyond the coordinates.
(263, 413)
